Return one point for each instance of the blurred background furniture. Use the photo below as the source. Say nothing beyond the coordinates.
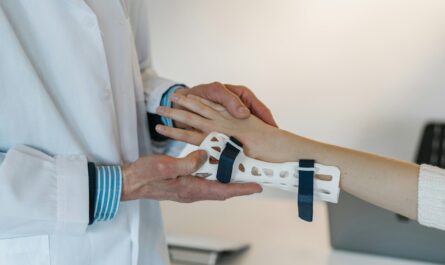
(359, 226)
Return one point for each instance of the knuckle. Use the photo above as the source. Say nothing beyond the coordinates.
(188, 116)
(212, 89)
(165, 168)
(245, 89)
(184, 195)
(217, 85)
(161, 167)
(186, 137)
(208, 128)
(166, 111)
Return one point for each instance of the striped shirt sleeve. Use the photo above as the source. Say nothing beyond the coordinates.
(108, 192)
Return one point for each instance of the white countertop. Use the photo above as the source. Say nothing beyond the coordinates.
(271, 227)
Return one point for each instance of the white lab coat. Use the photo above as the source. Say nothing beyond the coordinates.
(61, 105)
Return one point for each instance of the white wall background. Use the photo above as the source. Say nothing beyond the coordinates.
(366, 74)
(361, 73)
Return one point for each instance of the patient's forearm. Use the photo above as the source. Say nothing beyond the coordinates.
(385, 182)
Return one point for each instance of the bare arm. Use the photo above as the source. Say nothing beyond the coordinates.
(385, 182)
(382, 181)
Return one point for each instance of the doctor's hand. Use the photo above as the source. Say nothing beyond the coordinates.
(162, 177)
(260, 140)
(239, 101)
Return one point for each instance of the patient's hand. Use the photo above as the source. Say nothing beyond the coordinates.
(260, 140)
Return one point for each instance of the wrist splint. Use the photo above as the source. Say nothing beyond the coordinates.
(228, 163)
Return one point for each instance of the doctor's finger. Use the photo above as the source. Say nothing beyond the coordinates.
(197, 189)
(255, 105)
(218, 93)
(222, 111)
(190, 163)
(191, 137)
(186, 117)
(195, 105)
(233, 189)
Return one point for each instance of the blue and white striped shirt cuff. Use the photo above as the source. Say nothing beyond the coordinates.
(108, 192)
(166, 102)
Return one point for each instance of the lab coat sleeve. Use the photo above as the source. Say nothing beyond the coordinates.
(40, 194)
(154, 85)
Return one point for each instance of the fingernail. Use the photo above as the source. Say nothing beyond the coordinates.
(159, 128)
(174, 97)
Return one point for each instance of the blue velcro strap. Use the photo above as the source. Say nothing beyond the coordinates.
(226, 161)
(306, 190)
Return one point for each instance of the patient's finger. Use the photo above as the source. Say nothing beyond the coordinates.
(194, 105)
(186, 117)
(191, 137)
(213, 105)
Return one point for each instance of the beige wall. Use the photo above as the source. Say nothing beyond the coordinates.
(362, 73)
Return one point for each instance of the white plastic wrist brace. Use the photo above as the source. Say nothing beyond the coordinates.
(280, 175)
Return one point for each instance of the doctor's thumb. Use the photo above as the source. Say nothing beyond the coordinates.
(192, 162)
